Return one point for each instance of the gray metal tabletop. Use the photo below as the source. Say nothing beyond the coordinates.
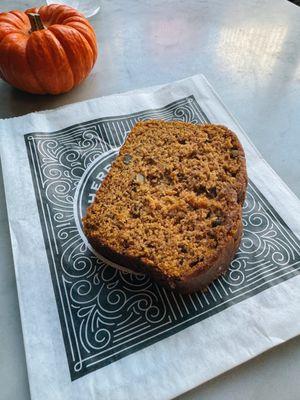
(250, 51)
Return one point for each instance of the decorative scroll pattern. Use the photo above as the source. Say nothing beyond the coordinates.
(106, 313)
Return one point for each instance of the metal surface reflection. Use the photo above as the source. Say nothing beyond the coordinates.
(245, 46)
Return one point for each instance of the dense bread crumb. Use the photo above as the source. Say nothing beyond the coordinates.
(173, 197)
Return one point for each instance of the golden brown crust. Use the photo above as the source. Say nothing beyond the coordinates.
(171, 204)
(196, 281)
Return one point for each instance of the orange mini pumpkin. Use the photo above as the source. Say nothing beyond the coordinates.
(50, 49)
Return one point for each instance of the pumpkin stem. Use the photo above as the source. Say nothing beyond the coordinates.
(36, 22)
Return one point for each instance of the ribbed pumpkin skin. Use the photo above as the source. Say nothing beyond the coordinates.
(53, 60)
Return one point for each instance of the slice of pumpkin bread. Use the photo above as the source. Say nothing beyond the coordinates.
(171, 205)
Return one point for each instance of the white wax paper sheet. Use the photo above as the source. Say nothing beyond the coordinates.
(78, 341)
